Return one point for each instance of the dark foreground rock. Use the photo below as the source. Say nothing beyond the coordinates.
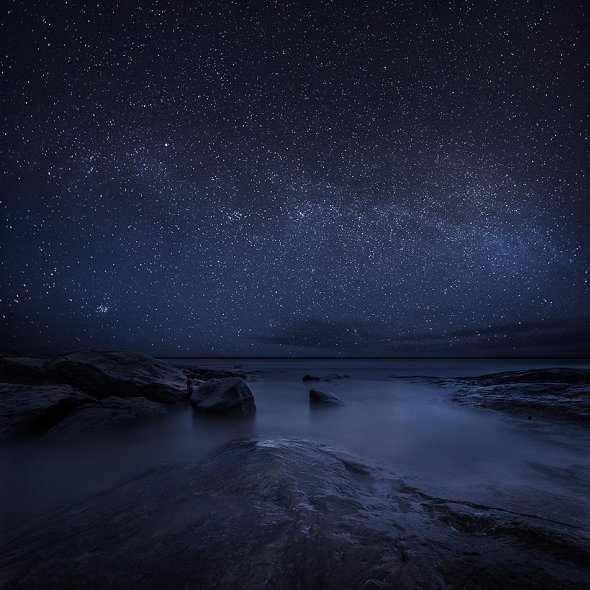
(31, 410)
(225, 396)
(287, 514)
(320, 397)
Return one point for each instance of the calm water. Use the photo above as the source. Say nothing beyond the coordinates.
(443, 448)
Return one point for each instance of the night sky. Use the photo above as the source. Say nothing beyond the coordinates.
(314, 178)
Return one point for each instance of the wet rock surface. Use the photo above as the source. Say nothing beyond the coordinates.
(556, 393)
(287, 514)
(227, 396)
(321, 397)
(549, 393)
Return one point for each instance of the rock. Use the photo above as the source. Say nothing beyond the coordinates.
(105, 415)
(311, 378)
(22, 370)
(287, 514)
(31, 410)
(560, 393)
(230, 395)
(321, 397)
(329, 377)
(124, 374)
(203, 374)
(563, 375)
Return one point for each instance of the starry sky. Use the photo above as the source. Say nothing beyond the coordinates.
(277, 178)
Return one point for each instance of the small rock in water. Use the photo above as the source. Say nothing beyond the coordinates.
(230, 395)
(311, 378)
(321, 397)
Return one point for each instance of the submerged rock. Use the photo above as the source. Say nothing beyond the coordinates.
(230, 395)
(27, 410)
(329, 377)
(311, 378)
(287, 514)
(321, 397)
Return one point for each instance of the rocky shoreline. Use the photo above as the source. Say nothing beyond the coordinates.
(288, 514)
(284, 513)
(89, 391)
(555, 394)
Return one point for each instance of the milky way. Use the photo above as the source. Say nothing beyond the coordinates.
(311, 178)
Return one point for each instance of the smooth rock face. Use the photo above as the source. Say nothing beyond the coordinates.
(34, 409)
(287, 514)
(321, 397)
(124, 374)
(230, 395)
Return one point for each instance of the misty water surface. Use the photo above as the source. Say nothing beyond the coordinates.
(443, 448)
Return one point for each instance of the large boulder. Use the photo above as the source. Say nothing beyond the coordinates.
(230, 395)
(287, 514)
(320, 397)
(31, 410)
(123, 374)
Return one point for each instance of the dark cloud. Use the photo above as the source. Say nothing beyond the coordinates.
(555, 338)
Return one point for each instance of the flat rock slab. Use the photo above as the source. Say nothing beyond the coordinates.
(319, 397)
(560, 393)
(287, 514)
(228, 396)
(33, 409)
